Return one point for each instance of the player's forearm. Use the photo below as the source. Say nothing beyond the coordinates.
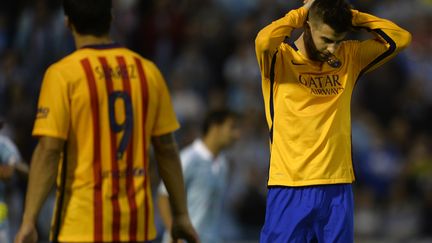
(168, 160)
(385, 29)
(270, 37)
(43, 172)
(165, 210)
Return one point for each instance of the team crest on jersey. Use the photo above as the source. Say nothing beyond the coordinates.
(42, 112)
(325, 85)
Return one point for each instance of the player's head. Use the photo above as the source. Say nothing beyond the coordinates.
(327, 25)
(222, 126)
(89, 17)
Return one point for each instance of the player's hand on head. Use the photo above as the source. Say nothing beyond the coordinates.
(307, 3)
(182, 229)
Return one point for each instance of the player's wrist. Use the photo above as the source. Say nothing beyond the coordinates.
(29, 220)
(181, 214)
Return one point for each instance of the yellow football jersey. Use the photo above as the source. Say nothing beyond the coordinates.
(308, 105)
(106, 102)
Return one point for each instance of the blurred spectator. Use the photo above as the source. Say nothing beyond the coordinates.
(205, 170)
(368, 218)
(419, 177)
(10, 163)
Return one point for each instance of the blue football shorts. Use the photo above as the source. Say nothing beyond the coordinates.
(322, 214)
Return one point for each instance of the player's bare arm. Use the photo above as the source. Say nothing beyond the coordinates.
(168, 161)
(43, 172)
(164, 210)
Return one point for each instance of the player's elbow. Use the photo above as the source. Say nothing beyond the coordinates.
(262, 42)
(404, 40)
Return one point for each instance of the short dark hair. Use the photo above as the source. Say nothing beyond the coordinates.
(89, 17)
(335, 13)
(216, 117)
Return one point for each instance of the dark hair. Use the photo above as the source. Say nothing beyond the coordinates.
(335, 13)
(89, 17)
(216, 117)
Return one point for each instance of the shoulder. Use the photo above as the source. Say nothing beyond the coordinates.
(192, 156)
(145, 62)
(188, 155)
(67, 64)
(349, 45)
(287, 47)
(5, 142)
(348, 49)
(7, 147)
(151, 71)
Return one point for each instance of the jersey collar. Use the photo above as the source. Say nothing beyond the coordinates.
(103, 46)
(203, 150)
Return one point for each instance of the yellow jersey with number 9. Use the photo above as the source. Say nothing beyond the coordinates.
(106, 102)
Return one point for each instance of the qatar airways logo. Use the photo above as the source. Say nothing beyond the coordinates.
(326, 85)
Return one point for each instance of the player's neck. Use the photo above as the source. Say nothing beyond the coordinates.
(300, 44)
(212, 145)
(87, 40)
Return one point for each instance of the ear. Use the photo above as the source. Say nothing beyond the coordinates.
(313, 23)
(69, 24)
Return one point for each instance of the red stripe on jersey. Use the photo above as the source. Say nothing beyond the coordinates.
(144, 102)
(130, 185)
(97, 166)
(114, 165)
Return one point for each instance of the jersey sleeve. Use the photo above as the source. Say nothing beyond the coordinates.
(53, 112)
(271, 37)
(166, 120)
(390, 39)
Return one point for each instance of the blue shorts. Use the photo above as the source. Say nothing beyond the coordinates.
(321, 214)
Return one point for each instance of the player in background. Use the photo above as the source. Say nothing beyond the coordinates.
(307, 85)
(205, 170)
(100, 108)
(10, 163)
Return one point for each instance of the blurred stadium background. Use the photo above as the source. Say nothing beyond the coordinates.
(205, 49)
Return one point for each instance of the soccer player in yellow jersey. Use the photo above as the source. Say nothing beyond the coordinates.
(99, 110)
(307, 86)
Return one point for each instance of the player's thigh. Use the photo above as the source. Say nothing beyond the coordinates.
(337, 224)
(288, 216)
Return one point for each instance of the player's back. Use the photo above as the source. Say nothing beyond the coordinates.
(107, 102)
